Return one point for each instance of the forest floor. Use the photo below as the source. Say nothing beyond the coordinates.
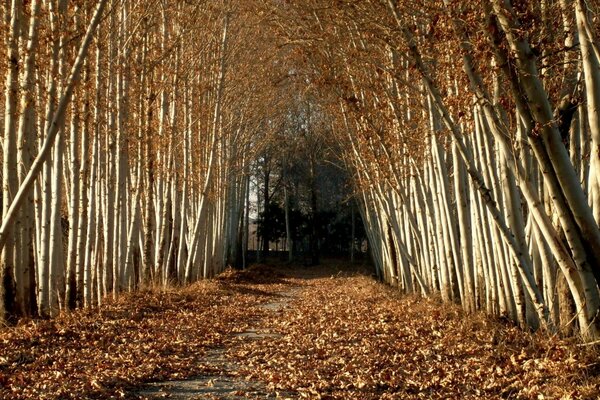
(288, 333)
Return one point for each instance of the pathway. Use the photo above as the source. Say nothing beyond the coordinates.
(225, 383)
(341, 335)
(329, 333)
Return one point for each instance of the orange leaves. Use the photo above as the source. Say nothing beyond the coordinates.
(103, 353)
(350, 338)
(340, 337)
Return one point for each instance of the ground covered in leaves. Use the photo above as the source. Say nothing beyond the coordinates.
(340, 335)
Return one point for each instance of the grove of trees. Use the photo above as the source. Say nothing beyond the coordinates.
(470, 131)
(128, 130)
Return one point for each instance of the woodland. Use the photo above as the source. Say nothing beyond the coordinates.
(451, 145)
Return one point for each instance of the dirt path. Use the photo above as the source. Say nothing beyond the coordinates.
(224, 382)
(326, 333)
(334, 334)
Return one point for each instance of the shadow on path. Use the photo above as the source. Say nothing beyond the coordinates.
(224, 383)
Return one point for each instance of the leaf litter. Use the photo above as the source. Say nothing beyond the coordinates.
(336, 335)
